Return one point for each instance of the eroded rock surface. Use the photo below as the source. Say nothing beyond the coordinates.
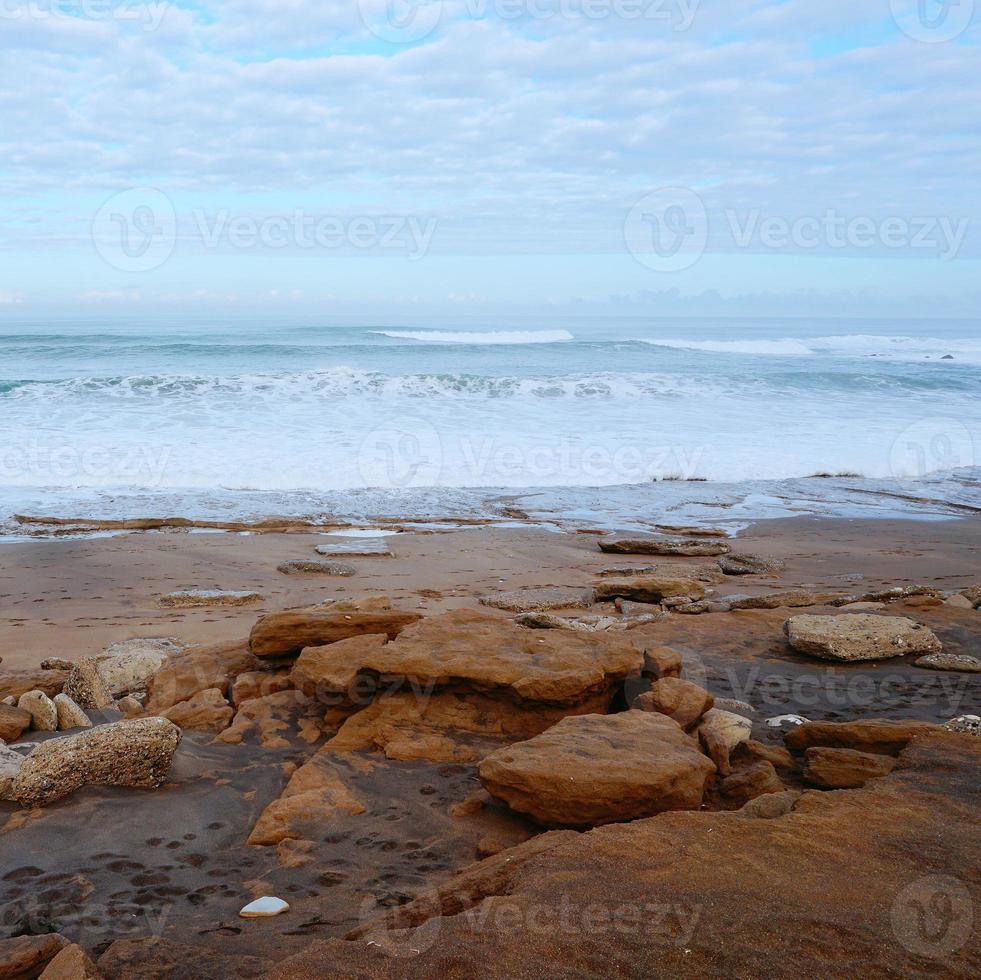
(664, 546)
(529, 600)
(287, 633)
(844, 768)
(859, 636)
(649, 588)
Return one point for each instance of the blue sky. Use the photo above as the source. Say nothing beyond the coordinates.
(491, 157)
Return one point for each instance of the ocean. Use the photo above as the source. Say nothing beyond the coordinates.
(249, 416)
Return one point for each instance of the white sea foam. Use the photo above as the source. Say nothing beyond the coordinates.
(507, 337)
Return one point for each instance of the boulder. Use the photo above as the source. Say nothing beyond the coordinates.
(127, 753)
(14, 683)
(649, 588)
(72, 963)
(310, 566)
(858, 636)
(749, 782)
(973, 595)
(199, 668)
(844, 768)
(753, 751)
(958, 602)
(950, 661)
(283, 633)
(530, 600)
(471, 651)
(316, 663)
(720, 732)
(259, 683)
(664, 546)
(44, 714)
(597, 769)
(13, 722)
(680, 700)
(26, 956)
(749, 565)
(128, 666)
(880, 737)
(662, 662)
(790, 599)
(70, 715)
(207, 599)
(10, 763)
(206, 711)
(87, 687)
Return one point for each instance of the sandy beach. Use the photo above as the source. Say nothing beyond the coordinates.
(155, 881)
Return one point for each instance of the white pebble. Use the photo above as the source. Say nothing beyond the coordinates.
(264, 907)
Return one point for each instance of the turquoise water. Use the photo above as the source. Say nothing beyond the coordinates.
(221, 406)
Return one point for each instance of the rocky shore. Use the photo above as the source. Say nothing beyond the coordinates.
(496, 753)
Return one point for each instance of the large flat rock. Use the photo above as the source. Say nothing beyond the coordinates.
(283, 633)
(859, 636)
(597, 769)
(664, 546)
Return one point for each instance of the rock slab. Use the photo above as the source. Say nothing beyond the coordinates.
(859, 636)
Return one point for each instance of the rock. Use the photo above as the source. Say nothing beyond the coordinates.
(973, 595)
(785, 721)
(881, 737)
(596, 769)
(356, 548)
(662, 662)
(284, 633)
(707, 573)
(273, 717)
(752, 751)
(128, 666)
(164, 959)
(13, 722)
(771, 805)
(259, 683)
(749, 565)
(844, 768)
(207, 599)
(87, 687)
(743, 708)
(900, 592)
(786, 600)
(126, 753)
(70, 715)
(693, 531)
(207, 711)
(950, 661)
(10, 763)
(959, 602)
(648, 589)
(549, 621)
(10, 701)
(680, 700)
(858, 636)
(471, 651)
(129, 706)
(200, 668)
(530, 600)
(264, 908)
(860, 606)
(56, 663)
(44, 715)
(72, 963)
(312, 567)
(27, 956)
(315, 793)
(664, 546)
(750, 782)
(720, 732)
(14, 683)
(964, 725)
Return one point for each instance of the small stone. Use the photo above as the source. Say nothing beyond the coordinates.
(959, 602)
(747, 784)
(681, 700)
(771, 805)
(264, 908)
(129, 706)
(965, 725)
(720, 732)
(44, 715)
(70, 715)
(87, 687)
(950, 661)
(301, 566)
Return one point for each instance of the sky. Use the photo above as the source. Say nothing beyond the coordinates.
(405, 160)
